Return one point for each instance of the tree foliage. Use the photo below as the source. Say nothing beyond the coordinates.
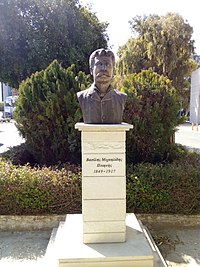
(35, 32)
(163, 43)
(151, 108)
(47, 110)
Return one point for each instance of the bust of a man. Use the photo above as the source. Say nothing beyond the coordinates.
(101, 103)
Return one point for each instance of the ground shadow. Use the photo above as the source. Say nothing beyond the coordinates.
(19, 155)
(23, 245)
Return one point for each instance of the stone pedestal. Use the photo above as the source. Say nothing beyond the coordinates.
(103, 235)
(103, 182)
(66, 247)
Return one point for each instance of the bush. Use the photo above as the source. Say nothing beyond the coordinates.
(25, 190)
(165, 188)
(151, 108)
(46, 112)
(151, 188)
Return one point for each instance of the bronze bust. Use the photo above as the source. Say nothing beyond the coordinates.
(101, 103)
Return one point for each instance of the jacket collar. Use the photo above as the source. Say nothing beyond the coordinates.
(93, 92)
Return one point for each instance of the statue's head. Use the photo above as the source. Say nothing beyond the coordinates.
(102, 62)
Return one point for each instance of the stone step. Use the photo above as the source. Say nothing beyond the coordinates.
(68, 250)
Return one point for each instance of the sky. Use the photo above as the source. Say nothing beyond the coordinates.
(118, 12)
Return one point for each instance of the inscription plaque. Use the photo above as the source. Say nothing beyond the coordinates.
(103, 165)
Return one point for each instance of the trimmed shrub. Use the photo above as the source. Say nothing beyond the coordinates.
(152, 108)
(46, 112)
(165, 188)
(25, 190)
(151, 188)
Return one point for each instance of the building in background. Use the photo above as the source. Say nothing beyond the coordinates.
(195, 98)
(5, 91)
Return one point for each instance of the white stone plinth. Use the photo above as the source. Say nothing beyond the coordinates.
(66, 247)
(103, 181)
(70, 250)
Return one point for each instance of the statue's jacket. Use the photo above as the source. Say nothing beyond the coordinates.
(107, 110)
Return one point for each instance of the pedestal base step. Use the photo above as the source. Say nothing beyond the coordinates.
(66, 247)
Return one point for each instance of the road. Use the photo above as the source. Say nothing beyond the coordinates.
(9, 136)
(188, 137)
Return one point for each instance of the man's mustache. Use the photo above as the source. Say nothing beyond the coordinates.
(100, 74)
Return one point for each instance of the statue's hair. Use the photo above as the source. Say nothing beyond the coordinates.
(101, 52)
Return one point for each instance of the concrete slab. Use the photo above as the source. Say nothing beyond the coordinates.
(23, 248)
(68, 247)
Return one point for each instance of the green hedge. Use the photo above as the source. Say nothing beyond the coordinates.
(160, 188)
(165, 188)
(26, 190)
(171, 188)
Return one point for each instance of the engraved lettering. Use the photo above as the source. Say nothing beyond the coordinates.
(99, 165)
(112, 159)
(93, 159)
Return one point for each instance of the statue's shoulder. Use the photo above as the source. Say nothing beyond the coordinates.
(120, 94)
(85, 93)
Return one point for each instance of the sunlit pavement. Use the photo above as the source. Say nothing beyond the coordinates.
(9, 136)
(188, 137)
